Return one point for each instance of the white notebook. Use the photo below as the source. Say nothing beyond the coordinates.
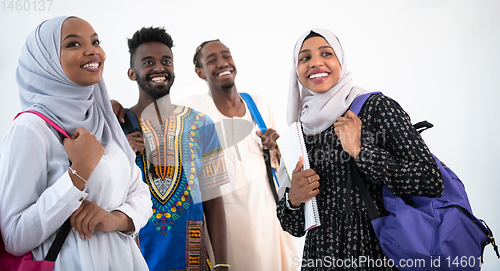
(292, 146)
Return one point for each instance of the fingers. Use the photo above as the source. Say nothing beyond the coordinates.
(86, 218)
(298, 167)
(350, 115)
(118, 110)
(121, 115)
(78, 132)
(77, 218)
(269, 138)
(136, 142)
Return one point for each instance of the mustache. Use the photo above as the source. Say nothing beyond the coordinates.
(169, 76)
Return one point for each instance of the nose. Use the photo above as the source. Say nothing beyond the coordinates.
(91, 50)
(159, 67)
(315, 62)
(221, 62)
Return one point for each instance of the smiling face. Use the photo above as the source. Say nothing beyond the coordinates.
(153, 69)
(82, 57)
(318, 67)
(217, 66)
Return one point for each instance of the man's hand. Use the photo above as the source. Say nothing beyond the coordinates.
(136, 142)
(118, 110)
(269, 139)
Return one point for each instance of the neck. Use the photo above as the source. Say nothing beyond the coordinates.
(228, 101)
(164, 104)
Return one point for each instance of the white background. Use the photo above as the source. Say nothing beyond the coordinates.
(439, 59)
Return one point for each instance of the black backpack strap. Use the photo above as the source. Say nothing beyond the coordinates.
(270, 178)
(363, 191)
(58, 242)
(131, 124)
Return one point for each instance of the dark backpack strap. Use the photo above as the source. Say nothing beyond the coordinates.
(363, 192)
(131, 124)
(263, 128)
(58, 242)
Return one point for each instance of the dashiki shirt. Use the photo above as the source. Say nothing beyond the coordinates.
(182, 159)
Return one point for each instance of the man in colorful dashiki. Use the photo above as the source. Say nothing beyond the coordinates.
(182, 163)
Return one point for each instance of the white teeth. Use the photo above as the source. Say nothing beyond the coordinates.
(318, 75)
(91, 66)
(158, 79)
(224, 73)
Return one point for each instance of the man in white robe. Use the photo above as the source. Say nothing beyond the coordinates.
(256, 240)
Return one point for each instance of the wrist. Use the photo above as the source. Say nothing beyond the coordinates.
(289, 204)
(222, 266)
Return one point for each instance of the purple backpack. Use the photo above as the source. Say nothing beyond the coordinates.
(423, 233)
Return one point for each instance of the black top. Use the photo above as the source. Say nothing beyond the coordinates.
(392, 153)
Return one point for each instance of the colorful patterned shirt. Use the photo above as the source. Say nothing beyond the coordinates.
(182, 160)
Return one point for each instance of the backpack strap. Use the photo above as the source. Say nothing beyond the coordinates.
(373, 213)
(49, 121)
(131, 124)
(271, 175)
(64, 230)
(359, 101)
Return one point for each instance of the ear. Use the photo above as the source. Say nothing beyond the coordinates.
(131, 74)
(200, 73)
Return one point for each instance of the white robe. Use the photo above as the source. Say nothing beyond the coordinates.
(37, 196)
(256, 240)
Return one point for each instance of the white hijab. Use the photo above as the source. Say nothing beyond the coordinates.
(44, 87)
(318, 111)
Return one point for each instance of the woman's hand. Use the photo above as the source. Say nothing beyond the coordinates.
(305, 185)
(348, 130)
(84, 151)
(90, 217)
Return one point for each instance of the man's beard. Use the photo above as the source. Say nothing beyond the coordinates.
(155, 92)
(228, 86)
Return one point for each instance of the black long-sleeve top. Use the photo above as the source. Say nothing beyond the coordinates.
(392, 154)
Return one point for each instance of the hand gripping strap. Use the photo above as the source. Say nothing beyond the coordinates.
(263, 128)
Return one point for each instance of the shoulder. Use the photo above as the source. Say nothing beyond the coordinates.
(196, 100)
(259, 100)
(262, 104)
(32, 122)
(195, 114)
(29, 127)
(380, 102)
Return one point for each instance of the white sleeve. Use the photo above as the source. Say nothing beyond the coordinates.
(36, 192)
(137, 205)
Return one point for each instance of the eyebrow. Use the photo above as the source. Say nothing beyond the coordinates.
(77, 36)
(322, 47)
(150, 57)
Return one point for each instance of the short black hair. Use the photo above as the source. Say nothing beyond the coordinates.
(148, 34)
(197, 54)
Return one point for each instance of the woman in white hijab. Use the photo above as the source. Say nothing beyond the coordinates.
(92, 177)
(380, 140)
